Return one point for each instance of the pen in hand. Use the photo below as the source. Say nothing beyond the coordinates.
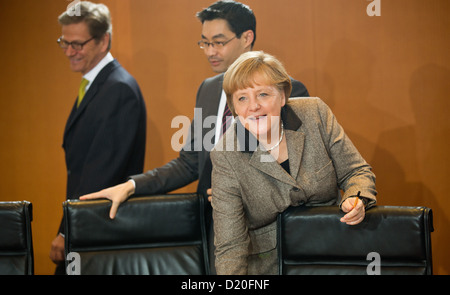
(357, 199)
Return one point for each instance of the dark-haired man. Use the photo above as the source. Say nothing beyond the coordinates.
(226, 23)
(228, 30)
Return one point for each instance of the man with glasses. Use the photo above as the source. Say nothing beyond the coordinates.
(105, 134)
(228, 30)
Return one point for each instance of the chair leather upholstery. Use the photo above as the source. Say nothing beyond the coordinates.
(16, 244)
(166, 234)
(150, 235)
(312, 240)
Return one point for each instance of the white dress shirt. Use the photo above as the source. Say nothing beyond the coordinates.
(92, 74)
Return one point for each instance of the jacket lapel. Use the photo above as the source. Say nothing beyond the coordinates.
(209, 109)
(263, 161)
(295, 145)
(215, 95)
(213, 107)
(90, 94)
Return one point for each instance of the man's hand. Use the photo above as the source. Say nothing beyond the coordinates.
(117, 194)
(57, 249)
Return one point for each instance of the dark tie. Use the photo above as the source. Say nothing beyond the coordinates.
(226, 119)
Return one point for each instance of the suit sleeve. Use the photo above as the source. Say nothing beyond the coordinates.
(354, 174)
(231, 232)
(173, 175)
(180, 171)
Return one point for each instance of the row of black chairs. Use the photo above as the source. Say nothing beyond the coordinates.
(167, 234)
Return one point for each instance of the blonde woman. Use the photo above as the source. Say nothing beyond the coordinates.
(278, 153)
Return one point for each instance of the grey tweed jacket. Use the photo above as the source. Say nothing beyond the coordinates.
(249, 191)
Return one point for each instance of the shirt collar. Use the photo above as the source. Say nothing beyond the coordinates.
(92, 74)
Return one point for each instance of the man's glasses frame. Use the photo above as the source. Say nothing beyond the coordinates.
(216, 44)
(75, 44)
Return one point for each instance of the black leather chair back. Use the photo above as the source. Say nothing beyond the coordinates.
(162, 234)
(16, 243)
(312, 240)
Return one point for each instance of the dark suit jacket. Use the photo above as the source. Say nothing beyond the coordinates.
(250, 191)
(193, 162)
(104, 138)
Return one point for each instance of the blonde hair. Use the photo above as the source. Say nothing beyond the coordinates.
(240, 74)
(96, 16)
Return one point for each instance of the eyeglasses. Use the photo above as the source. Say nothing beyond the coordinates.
(75, 45)
(216, 44)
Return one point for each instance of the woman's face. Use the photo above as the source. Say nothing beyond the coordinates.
(259, 109)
